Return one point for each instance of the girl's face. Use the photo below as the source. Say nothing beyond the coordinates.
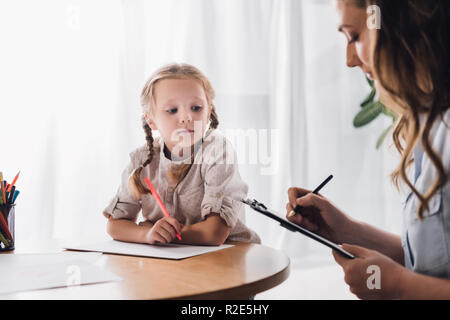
(180, 112)
(352, 22)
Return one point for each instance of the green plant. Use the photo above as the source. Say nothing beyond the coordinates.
(371, 109)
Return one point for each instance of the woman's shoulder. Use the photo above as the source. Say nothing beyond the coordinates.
(445, 120)
(442, 135)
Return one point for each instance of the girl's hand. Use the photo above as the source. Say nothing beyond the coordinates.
(319, 216)
(163, 231)
(371, 275)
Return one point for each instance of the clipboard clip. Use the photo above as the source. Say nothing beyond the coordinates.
(254, 204)
(259, 206)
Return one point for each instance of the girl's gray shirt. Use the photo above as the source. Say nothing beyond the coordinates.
(212, 185)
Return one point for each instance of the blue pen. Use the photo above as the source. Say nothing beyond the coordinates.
(15, 196)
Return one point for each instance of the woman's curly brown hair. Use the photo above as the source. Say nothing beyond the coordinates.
(412, 64)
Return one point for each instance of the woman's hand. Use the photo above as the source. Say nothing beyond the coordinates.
(163, 231)
(320, 216)
(371, 275)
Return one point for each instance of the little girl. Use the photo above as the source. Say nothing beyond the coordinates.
(200, 190)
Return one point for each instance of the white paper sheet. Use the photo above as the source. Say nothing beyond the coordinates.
(24, 272)
(168, 251)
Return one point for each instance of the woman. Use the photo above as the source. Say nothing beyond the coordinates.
(409, 59)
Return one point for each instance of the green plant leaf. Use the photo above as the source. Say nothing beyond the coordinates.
(371, 110)
(383, 136)
(371, 82)
(390, 113)
(369, 99)
(368, 114)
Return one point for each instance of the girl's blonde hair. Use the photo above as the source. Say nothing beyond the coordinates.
(171, 71)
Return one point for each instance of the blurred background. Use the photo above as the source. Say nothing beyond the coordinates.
(70, 79)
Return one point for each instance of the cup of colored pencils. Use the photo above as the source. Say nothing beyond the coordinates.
(8, 196)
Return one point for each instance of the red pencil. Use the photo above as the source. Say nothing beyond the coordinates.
(2, 189)
(158, 199)
(4, 226)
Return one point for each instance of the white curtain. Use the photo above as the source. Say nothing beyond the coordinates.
(71, 76)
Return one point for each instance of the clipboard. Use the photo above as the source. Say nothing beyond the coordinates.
(261, 208)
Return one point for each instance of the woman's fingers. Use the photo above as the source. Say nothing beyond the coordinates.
(308, 224)
(293, 218)
(294, 193)
(311, 200)
(300, 220)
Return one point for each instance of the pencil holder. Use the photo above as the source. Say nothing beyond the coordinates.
(7, 235)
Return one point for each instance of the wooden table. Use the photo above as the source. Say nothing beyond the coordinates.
(233, 273)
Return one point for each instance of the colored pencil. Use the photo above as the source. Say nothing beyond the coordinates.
(2, 239)
(11, 196)
(158, 199)
(4, 227)
(2, 188)
(13, 182)
(16, 194)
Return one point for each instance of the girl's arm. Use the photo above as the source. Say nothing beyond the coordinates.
(163, 231)
(127, 230)
(212, 231)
